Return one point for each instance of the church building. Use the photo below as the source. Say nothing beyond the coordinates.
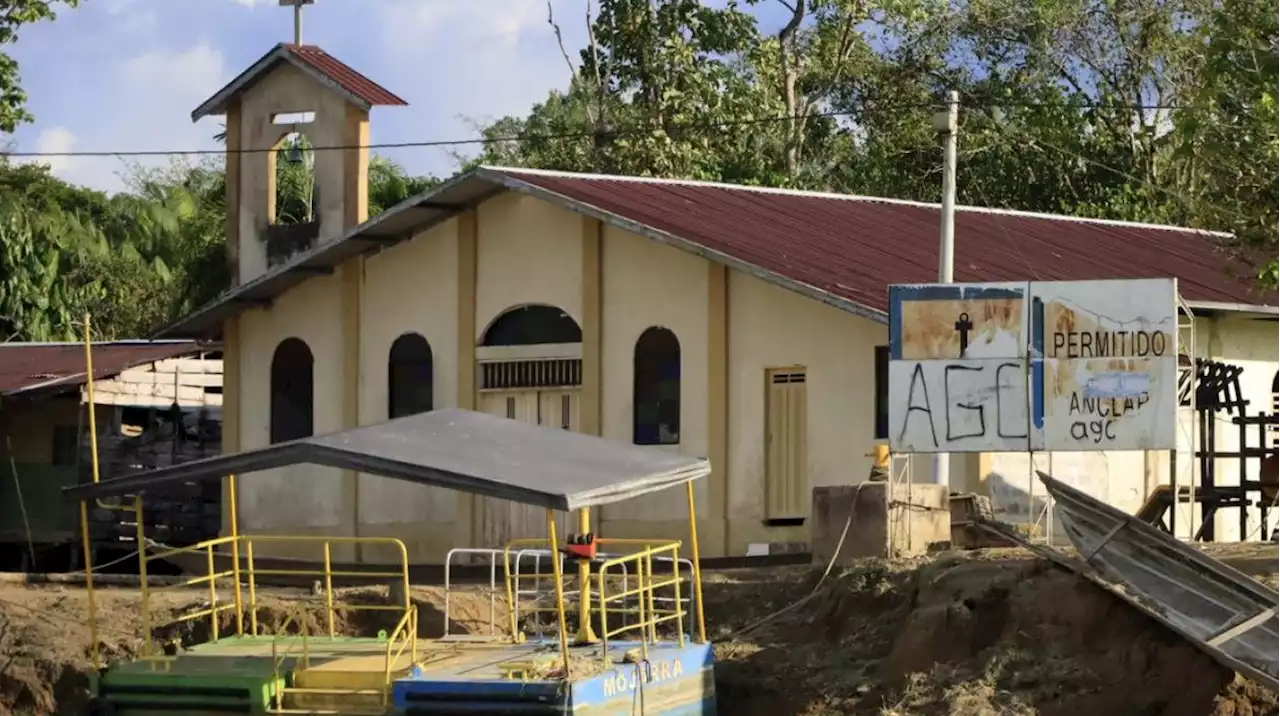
(744, 324)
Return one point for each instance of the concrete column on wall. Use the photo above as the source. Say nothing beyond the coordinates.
(716, 541)
(350, 275)
(592, 330)
(231, 327)
(233, 174)
(355, 209)
(230, 404)
(355, 168)
(468, 230)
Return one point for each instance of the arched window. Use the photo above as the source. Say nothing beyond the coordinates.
(409, 376)
(656, 391)
(532, 325)
(292, 396)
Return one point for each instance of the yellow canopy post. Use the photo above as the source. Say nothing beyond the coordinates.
(559, 579)
(586, 635)
(697, 563)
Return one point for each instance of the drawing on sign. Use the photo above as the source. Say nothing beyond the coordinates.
(963, 324)
(1088, 365)
(1109, 365)
(958, 354)
(958, 321)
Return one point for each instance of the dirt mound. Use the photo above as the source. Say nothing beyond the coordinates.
(970, 634)
(961, 635)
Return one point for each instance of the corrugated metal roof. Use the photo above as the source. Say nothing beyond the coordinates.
(324, 67)
(27, 367)
(839, 249)
(854, 247)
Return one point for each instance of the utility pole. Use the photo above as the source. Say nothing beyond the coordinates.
(297, 16)
(947, 124)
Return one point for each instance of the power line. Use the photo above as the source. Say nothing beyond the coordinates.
(561, 136)
(1039, 143)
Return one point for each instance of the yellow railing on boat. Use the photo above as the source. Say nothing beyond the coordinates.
(250, 573)
(648, 583)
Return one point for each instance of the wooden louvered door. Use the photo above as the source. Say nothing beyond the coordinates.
(500, 521)
(786, 444)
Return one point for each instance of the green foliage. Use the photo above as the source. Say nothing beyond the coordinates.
(841, 97)
(1052, 96)
(136, 261)
(15, 14)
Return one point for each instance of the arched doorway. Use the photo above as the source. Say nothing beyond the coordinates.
(529, 369)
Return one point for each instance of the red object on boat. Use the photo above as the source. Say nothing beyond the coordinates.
(581, 546)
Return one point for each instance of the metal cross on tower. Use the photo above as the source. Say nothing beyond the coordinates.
(297, 16)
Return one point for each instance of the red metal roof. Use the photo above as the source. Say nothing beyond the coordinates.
(344, 76)
(27, 366)
(309, 58)
(854, 247)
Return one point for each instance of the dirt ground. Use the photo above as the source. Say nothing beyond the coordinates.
(985, 633)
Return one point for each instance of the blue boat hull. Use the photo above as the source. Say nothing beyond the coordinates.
(676, 681)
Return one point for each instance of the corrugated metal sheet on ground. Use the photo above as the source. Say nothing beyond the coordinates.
(1222, 611)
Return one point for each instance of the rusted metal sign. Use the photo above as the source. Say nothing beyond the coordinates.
(1043, 365)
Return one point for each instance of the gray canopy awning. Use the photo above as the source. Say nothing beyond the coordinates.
(458, 449)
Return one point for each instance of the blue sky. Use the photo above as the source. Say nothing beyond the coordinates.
(125, 74)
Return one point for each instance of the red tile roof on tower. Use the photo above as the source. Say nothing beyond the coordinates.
(28, 367)
(325, 68)
(839, 249)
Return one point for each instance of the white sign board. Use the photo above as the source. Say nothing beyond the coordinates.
(1044, 365)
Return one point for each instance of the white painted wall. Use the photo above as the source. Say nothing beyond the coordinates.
(412, 286)
(1251, 344)
(771, 327)
(528, 251)
(647, 284)
(301, 495)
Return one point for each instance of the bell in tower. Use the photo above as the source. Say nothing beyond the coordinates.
(297, 136)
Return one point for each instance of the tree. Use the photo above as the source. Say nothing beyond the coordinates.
(651, 97)
(390, 184)
(1160, 111)
(1227, 139)
(13, 99)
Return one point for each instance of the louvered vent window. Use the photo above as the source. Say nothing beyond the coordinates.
(542, 373)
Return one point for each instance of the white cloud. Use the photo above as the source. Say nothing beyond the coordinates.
(410, 22)
(147, 108)
(115, 7)
(453, 60)
(55, 140)
(489, 59)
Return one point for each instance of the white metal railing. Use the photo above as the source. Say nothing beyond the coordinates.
(533, 596)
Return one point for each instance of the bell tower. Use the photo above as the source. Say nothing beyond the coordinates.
(297, 157)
